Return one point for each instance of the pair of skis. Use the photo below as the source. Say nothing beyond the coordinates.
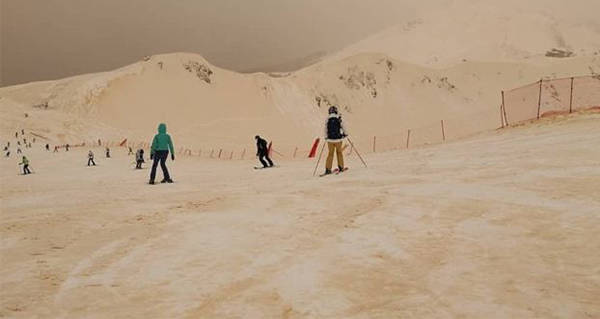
(336, 171)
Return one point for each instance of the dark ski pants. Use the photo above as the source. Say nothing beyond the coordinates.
(160, 156)
(265, 156)
(138, 165)
(26, 169)
(91, 160)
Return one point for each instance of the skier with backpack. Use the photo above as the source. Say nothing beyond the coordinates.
(262, 151)
(25, 163)
(139, 158)
(335, 134)
(159, 151)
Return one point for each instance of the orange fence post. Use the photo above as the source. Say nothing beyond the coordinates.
(374, 143)
(231, 156)
(408, 138)
(243, 153)
(269, 149)
(539, 100)
(211, 153)
(443, 133)
(200, 153)
(313, 149)
(571, 100)
(220, 151)
(295, 151)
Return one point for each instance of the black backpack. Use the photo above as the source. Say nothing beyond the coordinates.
(334, 128)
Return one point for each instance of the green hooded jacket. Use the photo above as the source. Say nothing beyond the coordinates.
(162, 140)
(25, 161)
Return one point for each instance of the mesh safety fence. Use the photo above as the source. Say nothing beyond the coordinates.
(548, 97)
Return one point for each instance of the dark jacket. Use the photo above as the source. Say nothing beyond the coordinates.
(261, 146)
(334, 129)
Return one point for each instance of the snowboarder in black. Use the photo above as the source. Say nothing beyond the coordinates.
(262, 151)
(91, 158)
(139, 158)
(335, 134)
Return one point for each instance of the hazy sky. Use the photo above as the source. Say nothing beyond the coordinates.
(49, 39)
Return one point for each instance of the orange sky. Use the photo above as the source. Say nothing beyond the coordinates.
(50, 39)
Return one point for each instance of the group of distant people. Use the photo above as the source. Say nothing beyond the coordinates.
(162, 144)
(159, 152)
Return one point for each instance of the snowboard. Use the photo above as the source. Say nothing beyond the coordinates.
(261, 167)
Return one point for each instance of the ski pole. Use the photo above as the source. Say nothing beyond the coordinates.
(354, 148)
(320, 154)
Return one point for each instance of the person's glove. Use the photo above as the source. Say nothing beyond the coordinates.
(172, 157)
(151, 156)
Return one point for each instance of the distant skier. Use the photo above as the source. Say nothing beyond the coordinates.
(16, 134)
(23, 132)
(25, 163)
(55, 149)
(7, 154)
(91, 158)
(130, 151)
(67, 148)
(139, 158)
(335, 134)
(34, 140)
(47, 147)
(262, 151)
(159, 151)
(19, 150)
(107, 152)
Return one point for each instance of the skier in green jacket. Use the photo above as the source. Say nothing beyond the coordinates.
(159, 151)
